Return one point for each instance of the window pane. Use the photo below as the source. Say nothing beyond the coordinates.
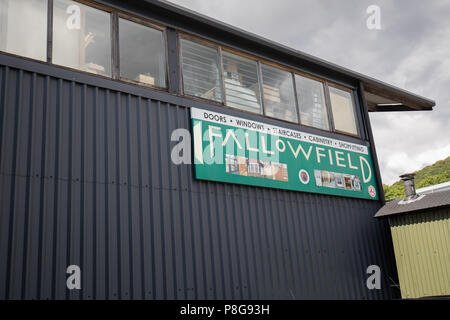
(81, 37)
(23, 28)
(142, 54)
(201, 75)
(241, 83)
(311, 99)
(278, 90)
(343, 111)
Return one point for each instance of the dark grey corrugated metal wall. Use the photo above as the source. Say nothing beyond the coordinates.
(86, 179)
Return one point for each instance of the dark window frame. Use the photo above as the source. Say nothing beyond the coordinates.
(45, 60)
(326, 100)
(183, 36)
(354, 109)
(95, 5)
(259, 77)
(325, 83)
(116, 13)
(49, 31)
(149, 24)
(296, 107)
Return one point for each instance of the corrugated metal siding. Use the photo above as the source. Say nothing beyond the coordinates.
(422, 252)
(86, 179)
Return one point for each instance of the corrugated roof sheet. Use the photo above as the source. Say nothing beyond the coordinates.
(428, 201)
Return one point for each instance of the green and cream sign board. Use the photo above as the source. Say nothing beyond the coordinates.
(236, 150)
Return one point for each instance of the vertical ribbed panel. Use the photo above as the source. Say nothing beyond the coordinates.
(422, 252)
(86, 179)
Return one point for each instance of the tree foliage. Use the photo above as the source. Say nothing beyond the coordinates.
(438, 172)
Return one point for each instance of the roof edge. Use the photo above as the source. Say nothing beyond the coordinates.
(411, 100)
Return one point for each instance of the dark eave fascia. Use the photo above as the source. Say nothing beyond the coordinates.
(394, 108)
(410, 100)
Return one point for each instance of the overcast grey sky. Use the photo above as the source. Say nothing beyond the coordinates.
(411, 51)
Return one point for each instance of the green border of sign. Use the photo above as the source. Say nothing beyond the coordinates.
(237, 150)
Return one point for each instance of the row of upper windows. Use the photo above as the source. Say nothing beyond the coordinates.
(81, 39)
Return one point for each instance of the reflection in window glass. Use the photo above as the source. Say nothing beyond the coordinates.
(142, 56)
(343, 111)
(23, 28)
(200, 66)
(241, 83)
(278, 90)
(81, 37)
(311, 99)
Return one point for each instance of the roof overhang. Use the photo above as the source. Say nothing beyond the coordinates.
(380, 96)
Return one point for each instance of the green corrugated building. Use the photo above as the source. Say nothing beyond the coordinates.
(420, 229)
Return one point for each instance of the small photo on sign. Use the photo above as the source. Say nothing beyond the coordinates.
(255, 168)
(356, 183)
(318, 177)
(328, 179)
(231, 164)
(337, 180)
(348, 182)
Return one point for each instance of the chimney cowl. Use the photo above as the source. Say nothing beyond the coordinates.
(408, 182)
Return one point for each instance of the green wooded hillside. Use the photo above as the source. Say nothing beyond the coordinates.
(436, 173)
